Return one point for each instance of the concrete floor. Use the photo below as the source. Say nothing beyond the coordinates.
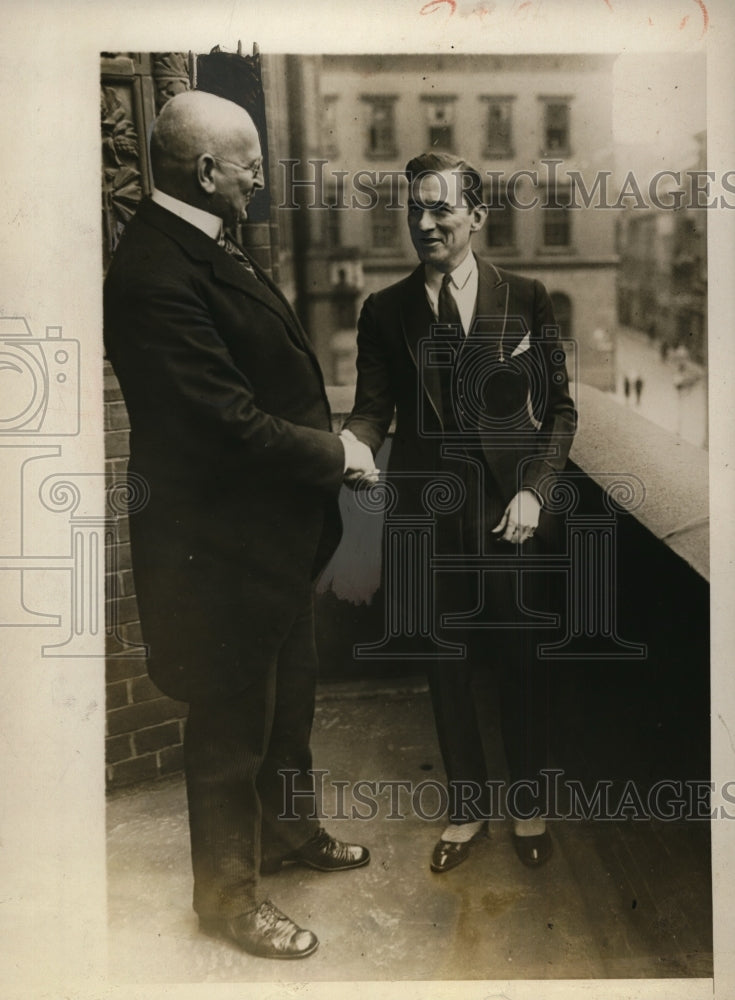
(618, 900)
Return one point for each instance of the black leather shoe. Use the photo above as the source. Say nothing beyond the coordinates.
(533, 851)
(264, 931)
(325, 853)
(448, 855)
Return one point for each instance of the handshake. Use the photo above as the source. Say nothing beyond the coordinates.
(360, 468)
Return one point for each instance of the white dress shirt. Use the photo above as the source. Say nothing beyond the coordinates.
(462, 287)
(209, 224)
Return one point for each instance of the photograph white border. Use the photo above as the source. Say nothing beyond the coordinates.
(52, 839)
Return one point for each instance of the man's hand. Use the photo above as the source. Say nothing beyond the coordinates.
(359, 465)
(520, 519)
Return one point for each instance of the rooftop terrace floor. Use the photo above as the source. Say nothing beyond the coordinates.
(618, 899)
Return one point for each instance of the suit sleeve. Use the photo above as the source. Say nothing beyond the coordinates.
(374, 406)
(555, 410)
(192, 391)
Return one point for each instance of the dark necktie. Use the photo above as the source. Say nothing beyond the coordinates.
(448, 315)
(236, 253)
(447, 311)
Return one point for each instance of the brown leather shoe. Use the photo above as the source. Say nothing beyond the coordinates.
(264, 931)
(325, 853)
(448, 855)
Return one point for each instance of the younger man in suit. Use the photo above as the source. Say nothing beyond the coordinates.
(496, 417)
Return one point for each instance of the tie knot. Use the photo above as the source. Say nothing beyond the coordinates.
(235, 252)
(446, 281)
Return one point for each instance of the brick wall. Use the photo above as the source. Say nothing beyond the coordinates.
(144, 728)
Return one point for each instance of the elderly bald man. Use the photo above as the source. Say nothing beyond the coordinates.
(230, 428)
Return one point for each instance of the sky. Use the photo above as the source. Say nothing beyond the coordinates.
(658, 106)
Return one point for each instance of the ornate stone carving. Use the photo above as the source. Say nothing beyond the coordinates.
(170, 75)
(121, 181)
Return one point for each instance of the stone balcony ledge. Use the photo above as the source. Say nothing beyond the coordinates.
(612, 440)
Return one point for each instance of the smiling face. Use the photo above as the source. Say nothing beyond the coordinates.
(205, 151)
(237, 174)
(440, 220)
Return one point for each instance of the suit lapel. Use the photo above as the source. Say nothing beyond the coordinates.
(491, 315)
(416, 321)
(267, 292)
(226, 269)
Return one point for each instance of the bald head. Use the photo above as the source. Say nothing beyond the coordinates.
(194, 130)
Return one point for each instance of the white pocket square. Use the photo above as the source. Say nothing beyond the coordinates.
(522, 345)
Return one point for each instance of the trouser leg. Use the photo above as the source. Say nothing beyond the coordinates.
(453, 701)
(224, 745)
(523, 686)
(234, 747)
(285, 781)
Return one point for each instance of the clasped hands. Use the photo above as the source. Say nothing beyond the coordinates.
(518, 523)
(360, 467)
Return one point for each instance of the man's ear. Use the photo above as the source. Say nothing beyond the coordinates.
(479, 214)
(205, 167)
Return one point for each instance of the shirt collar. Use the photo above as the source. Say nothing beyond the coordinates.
(209, 224)
(459, 276)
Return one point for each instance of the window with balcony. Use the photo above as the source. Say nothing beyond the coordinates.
(498, 141)
(381, 127)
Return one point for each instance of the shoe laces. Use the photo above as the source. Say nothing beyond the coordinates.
(276, 925)
(270, 915)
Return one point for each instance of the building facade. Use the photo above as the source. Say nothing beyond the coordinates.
(662, 281)
(538, 127)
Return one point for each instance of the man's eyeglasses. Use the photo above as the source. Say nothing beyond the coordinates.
(255, 167)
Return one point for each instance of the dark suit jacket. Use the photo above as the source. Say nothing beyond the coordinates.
(513, 408)
(230, 428)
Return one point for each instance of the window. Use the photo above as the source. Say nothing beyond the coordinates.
(329, 127)
(556, 219)
(556, 126)
(498, 127)
(500, 224)
(557, 229)
(439, 112)
(381, 126)
(385, 228)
